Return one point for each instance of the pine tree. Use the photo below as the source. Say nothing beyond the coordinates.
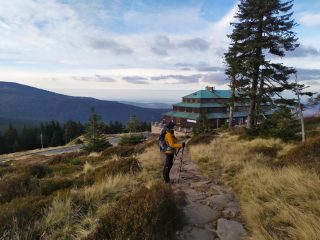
(133, 124)
(264, 28)
(95, 141)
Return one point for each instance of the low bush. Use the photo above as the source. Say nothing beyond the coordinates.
(282, 125)
(121, 151)
(5, 169)
(18, 216)
(48, 186)
(204, 138)
(96, 145)
(121, 166)
(268, 151)
(39, 170)
(304, 154)
(65, 157)
(78, 141)
(144, 214)
(131, 139)
(18, 185)
(66, 168)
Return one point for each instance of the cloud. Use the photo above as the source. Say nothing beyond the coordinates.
(201, 67)
(308, 74)
(304, 51)
(96, 78)
(135, 80)
(100, 78)
(195, 44)
(161, 45)
(309, 19)
(111, 45)
(180, 78)
(313, 82)
(217, 78)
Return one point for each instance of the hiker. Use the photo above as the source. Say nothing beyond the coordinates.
(168, 145)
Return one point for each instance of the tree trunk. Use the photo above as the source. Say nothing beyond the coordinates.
(255, 78)
(231, 107)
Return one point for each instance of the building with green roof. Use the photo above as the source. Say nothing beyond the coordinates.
(210, 102)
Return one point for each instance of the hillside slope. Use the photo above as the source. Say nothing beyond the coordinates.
(21, 102)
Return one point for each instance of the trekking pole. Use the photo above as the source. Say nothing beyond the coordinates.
(175, 155)
(181, 161)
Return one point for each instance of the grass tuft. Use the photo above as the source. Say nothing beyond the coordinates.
(279, 202)
(144, 214)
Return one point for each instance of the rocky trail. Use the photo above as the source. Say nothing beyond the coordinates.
(211, 209)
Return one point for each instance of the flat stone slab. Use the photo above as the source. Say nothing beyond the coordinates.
(196, 233)
(199, 214)
(230, 230)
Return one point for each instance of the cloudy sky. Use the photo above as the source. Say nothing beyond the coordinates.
(133, 49)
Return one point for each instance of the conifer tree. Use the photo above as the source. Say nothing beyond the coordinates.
(263, 29)
(95, 141)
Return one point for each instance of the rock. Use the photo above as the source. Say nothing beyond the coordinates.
(230, 230)
(198, 214)
(193, 195)
(230, 212)
(199, 184)
(197, 233)
(219, 202)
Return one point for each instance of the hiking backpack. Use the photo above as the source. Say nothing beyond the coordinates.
(162, 142)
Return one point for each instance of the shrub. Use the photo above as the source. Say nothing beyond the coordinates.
(96, 145)
(5, 168)
(145, 214)
(39, 170)
(65, 168)
(131, 139)
(17, 186)
(65, 157)
(121, 151)
(305, 154)
(204, 138)
(48, 186)
(18, 216)
(78, 141)
(77, 161)
(121, 166)
(269, 151)
(281, 125)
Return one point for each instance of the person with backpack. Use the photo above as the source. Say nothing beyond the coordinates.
(168, 145)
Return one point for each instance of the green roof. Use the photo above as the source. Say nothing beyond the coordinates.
(210, 94)
(199, 105)
(205, 105)
(195, 116)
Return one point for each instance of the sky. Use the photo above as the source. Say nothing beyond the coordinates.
(143, 50)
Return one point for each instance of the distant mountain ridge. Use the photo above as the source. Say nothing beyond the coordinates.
(154, 105)
(21, 102)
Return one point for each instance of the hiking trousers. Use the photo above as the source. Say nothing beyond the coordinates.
(167, 167)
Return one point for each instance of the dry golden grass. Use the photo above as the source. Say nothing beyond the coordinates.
(110, 184)
(151, 161)
(277, 203)
(72, 209)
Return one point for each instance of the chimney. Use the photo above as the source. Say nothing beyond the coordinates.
(211, 89)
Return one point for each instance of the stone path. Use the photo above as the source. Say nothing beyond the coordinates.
(211, 210)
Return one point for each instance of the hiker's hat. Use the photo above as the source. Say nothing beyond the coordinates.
(170, 125)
